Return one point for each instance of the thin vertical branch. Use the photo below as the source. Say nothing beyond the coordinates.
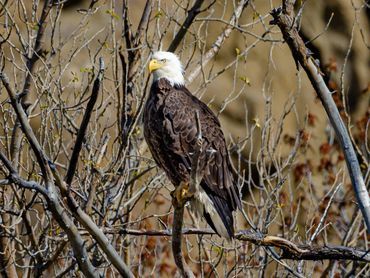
(34, 53)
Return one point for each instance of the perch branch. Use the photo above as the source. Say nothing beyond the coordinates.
(183, 193)
(284, 18)
(178, 219)
(290, 250)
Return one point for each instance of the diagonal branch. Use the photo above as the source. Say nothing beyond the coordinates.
(22, 117)
(216, 46)
(60, 215)
(85, 122)
(73, 206)
(284, 18)
(193, 12)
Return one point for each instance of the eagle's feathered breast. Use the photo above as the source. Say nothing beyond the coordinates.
(170, 130)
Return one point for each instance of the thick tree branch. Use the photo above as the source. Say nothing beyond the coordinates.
(284, 18)
(290, 250)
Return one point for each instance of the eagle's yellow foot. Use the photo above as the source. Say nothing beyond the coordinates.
(181, 195)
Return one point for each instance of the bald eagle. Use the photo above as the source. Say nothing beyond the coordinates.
(170, 129)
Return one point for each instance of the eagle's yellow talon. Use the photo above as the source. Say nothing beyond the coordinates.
(184, 193)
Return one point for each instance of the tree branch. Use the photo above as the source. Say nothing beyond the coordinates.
(183, 193)
(60, 215)
(34, 53)
(41, 157)
(290, 250)
(178, 219)
(85, 122)
(284, 18)
(81, 216)
(216, 46)
(193, 12)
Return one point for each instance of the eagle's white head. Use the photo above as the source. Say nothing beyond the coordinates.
(167, 65)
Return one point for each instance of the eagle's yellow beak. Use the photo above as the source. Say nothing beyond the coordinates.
(154, 65)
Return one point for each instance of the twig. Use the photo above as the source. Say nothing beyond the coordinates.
(283, 17)
(323, 217)
(85, 121)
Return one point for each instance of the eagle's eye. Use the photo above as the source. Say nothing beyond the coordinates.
(163, 60)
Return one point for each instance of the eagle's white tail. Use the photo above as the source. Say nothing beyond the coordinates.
(200, 204)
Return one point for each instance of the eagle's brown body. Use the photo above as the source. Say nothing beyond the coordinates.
(170, 130)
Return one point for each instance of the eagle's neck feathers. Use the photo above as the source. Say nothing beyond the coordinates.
(175, 78)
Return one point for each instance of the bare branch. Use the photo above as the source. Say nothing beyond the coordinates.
(178, 219)
(216, 46)
(182, 194)
(193, 12)
(290, 250)
(85, 122)
(35, 50)
(60, 215)
(23, 119)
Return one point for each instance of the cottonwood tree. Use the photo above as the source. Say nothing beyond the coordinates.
(80, 194)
